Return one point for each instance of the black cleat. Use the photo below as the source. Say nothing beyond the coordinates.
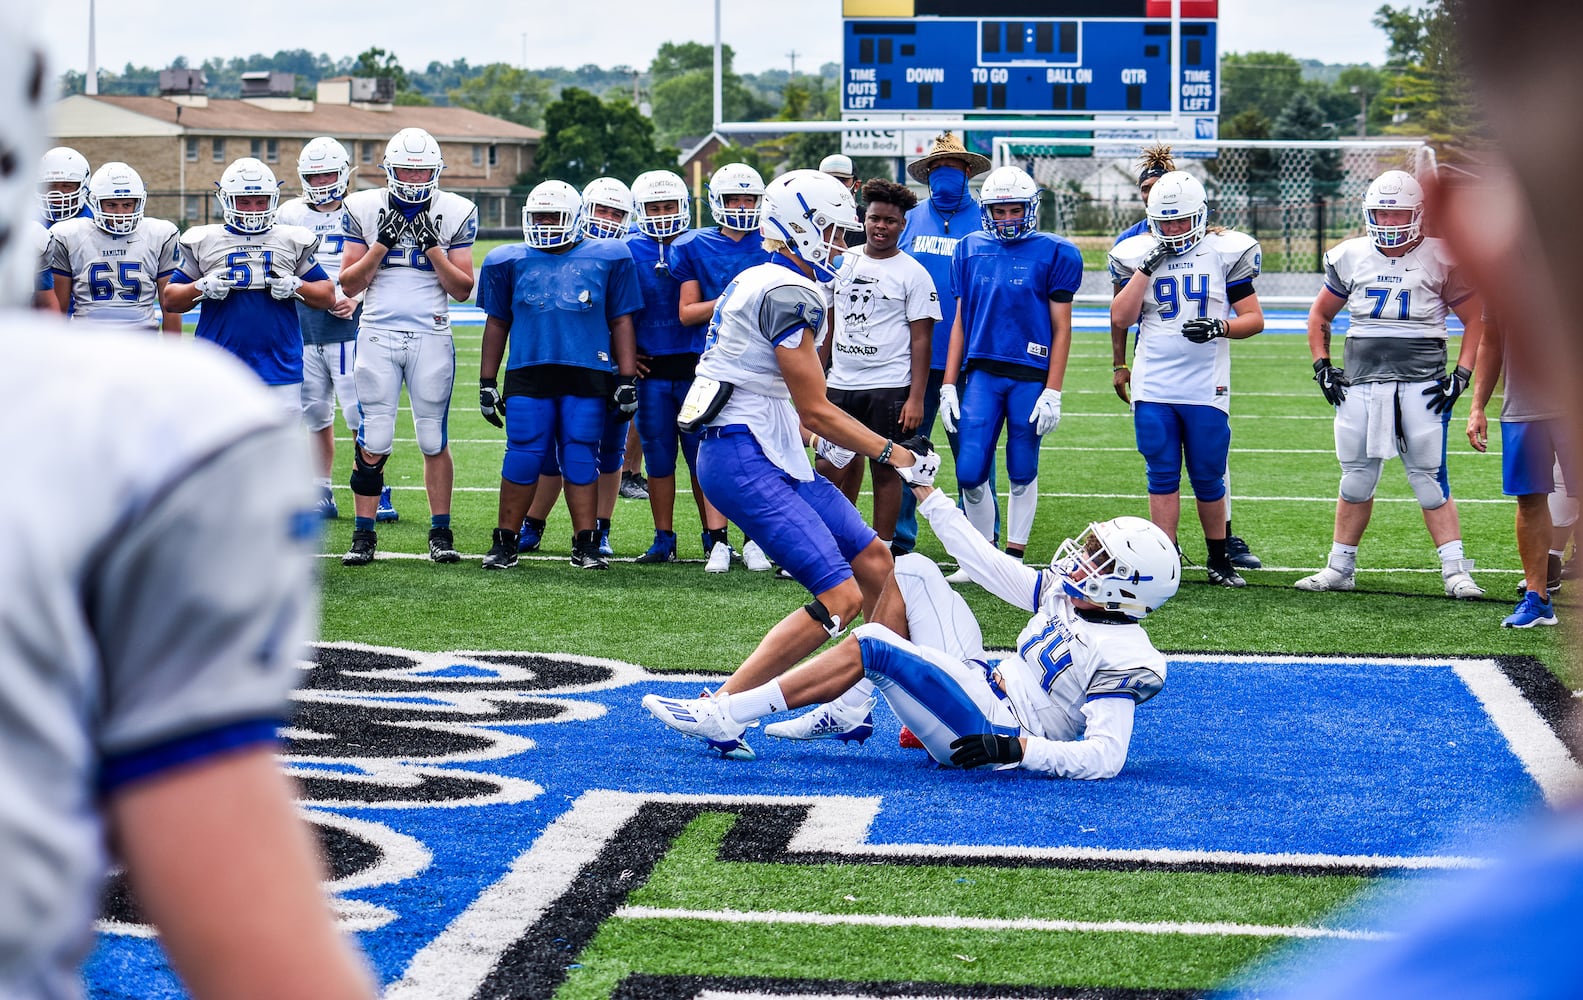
(1225, 576)
(362, 551)
(1238, 554)
(442, 546)
(585, 551)
(503, 553)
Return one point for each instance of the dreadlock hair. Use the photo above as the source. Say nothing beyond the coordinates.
(1155, 162)
(889, 193)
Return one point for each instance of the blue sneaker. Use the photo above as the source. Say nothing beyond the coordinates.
(604, 544)
(529, 537)
(663, 550)
(387, 510)
(1531, 610)
(327, 508)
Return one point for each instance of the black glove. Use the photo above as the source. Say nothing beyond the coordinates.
(392, 224)
(489, 402)
(1443, 394)
(625, 396)
(1332, 381)
(423, 232)
(1202, 331)
(1152, 259)
(979, 749)
(918, 444)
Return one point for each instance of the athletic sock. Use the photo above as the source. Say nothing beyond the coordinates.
(980, 508)
(1343, 557)
(857, 696)
(1020, 509)
(1450, 551)
(1217, 551)
(322, 482)
(534, 523)
(755, 703)
(439, 520)
(602, 524)
(363, 523)
(717, 536)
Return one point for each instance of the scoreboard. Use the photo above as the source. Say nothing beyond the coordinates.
(1026, 57)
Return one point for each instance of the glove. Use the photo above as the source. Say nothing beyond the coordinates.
(1046, 415)
(978, 749)
(625, 396)
(950, 408)
(925, 466)
(832, 452)
(1443, 394)
(391, 226)
(1202, 331)
(215, 285)
(283, 287)
(423, 233)
(489, 402)
(1154, 257)
(1332, 381)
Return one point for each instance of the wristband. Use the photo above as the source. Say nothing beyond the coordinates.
(1120, 368)
(884, 456)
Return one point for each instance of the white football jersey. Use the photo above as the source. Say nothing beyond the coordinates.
(1406, 296)
(329, 227)
(1167, 367)
(114, 279)
(406, 294)
(250, 257)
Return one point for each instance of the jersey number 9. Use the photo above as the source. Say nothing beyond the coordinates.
(1194, 288)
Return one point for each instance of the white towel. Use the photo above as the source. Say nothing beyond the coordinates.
(1382, 433)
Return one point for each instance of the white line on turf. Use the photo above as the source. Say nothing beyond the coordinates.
(1543, 755)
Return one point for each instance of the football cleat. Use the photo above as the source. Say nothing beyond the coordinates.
(1457, 574)
(529, 537)
(907, 740)
(1531, 611)
(663, 550)
(1225, 576)
(604, 544)
(1570, 570)
(831, 721)
(442, 546)
(634, 486)
(362, 551)
(1328, 578)
(1239, 555)
(585, 553)
(326, 507)
(719, 558)
(387, 510)
(705, 719)
(502, 554)
(754, 558)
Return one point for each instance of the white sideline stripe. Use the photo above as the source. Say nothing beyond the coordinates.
(1543, 755)
(981, 924)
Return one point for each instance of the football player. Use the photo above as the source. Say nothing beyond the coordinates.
(1392, 393)
(758, 395)
(1190, 289)
(562, 306)
(329, 336)
(1013, 331)
(704, 262)
(408, 253)
(111, 265)
(667, 359)
(63, 185)
(924, 651)
(249, 272)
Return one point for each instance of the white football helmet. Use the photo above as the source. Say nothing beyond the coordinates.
(324, 155)
(653, 187)
(247, 176)
(1178, 195)
(610, 193)
(1394, 190)
(62, 165)
(414, 149)
(800, 207)
(556, 198)
(1126, 564)
(25, 92)
(1009, 186)
(736, 178)
(111, 182)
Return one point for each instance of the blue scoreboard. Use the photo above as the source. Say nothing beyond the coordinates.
(1025, 64)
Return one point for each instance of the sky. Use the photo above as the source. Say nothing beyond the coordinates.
(762, 32)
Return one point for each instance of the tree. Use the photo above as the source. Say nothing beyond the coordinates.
(1426, 84)
(504, 91)
(682, 91)
(376, 62)
(1303, 120)
(587, 138)
(1261, 81)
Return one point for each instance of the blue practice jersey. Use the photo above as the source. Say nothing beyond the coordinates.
(660, 331)
(559, 306)
(82, 213)
(1136, 229)
(930, 237)
(713, 259)
(1005, 289)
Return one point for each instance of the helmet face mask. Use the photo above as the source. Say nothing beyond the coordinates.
(1126, 564)
(1394, 190)
(1009, 186)
(559, 200)
(247, 178)
(62, 183)
(736, 179)
(804, 209)
(413, 149)
(324, 155)
(117, 182)
(1178, 195)
(616, 199)
(654, 188)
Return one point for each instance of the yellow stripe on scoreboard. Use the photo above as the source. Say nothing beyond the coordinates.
(876, 8)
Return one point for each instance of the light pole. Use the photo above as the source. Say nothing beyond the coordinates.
(1363, 110)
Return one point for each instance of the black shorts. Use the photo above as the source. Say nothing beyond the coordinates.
(877, 409)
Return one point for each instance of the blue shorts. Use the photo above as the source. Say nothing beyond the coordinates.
(810, 529)
(659, 400)
(540, 430)
(1168, 432)
(988, 401)
(1528, 455)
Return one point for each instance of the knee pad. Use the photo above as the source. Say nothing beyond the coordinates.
(368, 478)
(1563, 509)
(832, 624)
(431, 434)
(974, 494)
(318, 412)
(1359, 479)
(1427, 489)
(520, 465)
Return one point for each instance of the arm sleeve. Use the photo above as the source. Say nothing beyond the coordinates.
(788, 309)
(494, 290)
(466, 234)
(1247, 267)
(1066, 273)
(170, 255)
(307, 264)
(1342, 287)
(923, 302)
(995, 571)
(352, 228)
(1101, 752)
(624, 296)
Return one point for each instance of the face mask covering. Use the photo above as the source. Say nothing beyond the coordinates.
(947, 187)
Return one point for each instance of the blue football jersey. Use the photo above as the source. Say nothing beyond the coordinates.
(713, 259)
(559, 306)
(660, 331)
(1004, 290)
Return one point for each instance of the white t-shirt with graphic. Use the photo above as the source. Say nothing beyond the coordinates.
(875, 300)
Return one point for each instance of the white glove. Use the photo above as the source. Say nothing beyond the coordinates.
(923, 469)
(950, 408)
(215, 285)
(832, 452)
(283, 287)
(1046, 413)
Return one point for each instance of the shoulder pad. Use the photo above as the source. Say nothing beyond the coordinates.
(1232, 242)
(1133, 249)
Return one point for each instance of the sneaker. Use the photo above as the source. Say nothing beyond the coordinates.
(634, 486)
(529, 537)
(1531, 611)
(828, 722)
(502, 554)
(908, 740)
(362, 551)
(782, 573)
(1459, 580)
(1329, 578)
(1225, 576)
(703, 718)
(442, 546)
(960, 576)
(387, 510)
(604, 544)
(663, 550)
(585, 554)
(327, 508)
(1239, 556)
(754, 558)
(719, 558)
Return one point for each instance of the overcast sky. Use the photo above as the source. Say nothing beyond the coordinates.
(604, 32)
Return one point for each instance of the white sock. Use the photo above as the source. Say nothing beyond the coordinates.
(755, 703)
(980, 507)
(1024, 503)
(1450, 551)
(1344, 557)
(321, 481)
(857, 696)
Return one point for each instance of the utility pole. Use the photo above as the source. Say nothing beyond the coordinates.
(1363, 111)
(792, 55)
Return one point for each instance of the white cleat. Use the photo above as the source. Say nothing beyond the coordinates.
(754, 558)
(1328, 578)
(1459, 581)
(828, 722)
(705, 719)
(719, 558)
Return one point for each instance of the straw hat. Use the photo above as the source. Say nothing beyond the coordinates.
(947, 147)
